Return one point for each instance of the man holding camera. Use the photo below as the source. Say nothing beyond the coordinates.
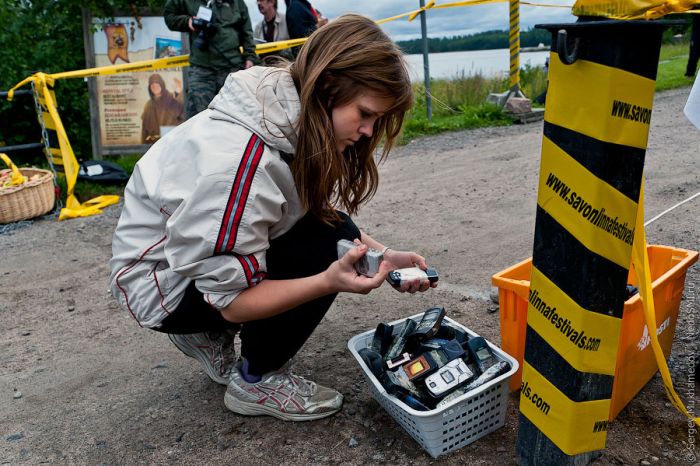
(218, 29)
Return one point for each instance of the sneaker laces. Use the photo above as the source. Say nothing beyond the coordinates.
(223, 349)
(301, 385)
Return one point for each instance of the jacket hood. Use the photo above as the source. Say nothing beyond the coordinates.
(265, 101)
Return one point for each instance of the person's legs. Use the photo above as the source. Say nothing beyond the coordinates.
(307, 249)
(693, 57)
(199, 331)
(268, 344)
(694, 52)
(201, 89)
(195, 315)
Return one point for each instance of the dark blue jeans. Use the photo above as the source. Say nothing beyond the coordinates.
(305, 250)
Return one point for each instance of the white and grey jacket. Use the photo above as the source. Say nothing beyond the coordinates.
(203, 203)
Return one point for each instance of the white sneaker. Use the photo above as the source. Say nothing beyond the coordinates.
(214, 350)
(281, 394)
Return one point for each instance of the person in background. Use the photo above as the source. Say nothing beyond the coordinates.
(230, 222)
(542, 98)
(217, 30)
(694, 52)
(273, 27)
(320, 19)
(162, 109)
(302, 20)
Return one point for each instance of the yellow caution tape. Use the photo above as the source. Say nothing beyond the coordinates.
(594, 89)
(595, 213)
(575, 427)
(640, 261)
(146, 65)
(73, 209)
(632, 9)
(17, 177)
(586, 340)
(280, 45)
(428, 6)
(411, 15)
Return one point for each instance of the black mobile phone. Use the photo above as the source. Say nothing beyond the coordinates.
(481, 353)
(429, 324)
(399, 341)
(382, 338)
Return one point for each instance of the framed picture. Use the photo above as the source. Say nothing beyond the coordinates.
(131, 111)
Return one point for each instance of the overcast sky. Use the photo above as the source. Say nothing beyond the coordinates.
(442, 22)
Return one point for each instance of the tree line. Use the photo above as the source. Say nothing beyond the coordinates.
(498, 39)
(480, 41)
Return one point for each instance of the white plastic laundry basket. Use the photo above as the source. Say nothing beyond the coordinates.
(459, 423)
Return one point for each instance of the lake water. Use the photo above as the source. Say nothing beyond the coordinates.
(455, 64)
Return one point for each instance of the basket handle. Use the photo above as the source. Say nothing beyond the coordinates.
(17, 177)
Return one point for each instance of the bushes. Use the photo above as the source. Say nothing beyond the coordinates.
(47, 35)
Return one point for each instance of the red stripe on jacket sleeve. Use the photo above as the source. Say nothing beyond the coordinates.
(244, 197)
(232, 195)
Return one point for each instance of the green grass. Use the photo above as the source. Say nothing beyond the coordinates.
(672, 61)
(467, 117)
(460, 103)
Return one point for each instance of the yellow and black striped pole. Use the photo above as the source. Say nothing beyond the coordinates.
(514, 45)
(601, 89)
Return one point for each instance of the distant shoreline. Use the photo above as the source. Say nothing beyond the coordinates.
(546, 48)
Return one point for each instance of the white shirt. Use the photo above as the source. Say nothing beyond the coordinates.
(281, 32)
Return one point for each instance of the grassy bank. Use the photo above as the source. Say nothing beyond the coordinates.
(458, 103)
(672, 62)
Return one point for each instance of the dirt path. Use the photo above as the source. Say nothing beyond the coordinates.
(81, 383)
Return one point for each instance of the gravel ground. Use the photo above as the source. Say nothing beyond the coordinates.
(81, 383)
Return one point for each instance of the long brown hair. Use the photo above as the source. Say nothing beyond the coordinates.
(342, 59)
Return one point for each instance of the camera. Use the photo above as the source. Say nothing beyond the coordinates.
(367, 265)
(204, 26)
(205, 30)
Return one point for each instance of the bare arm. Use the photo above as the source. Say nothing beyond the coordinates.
(273, 297)
(399, 260)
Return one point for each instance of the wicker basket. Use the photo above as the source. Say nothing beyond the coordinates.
(29, 200)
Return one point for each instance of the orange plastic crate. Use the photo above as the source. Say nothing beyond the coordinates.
(635, 359)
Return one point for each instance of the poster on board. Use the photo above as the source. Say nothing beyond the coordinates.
(133, 110)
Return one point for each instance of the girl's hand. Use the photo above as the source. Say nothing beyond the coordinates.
(406, 259)
(342, 276)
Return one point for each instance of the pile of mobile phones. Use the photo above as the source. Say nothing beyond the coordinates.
(427, 362)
